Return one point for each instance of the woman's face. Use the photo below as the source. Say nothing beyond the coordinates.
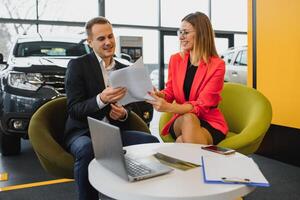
(186, 36)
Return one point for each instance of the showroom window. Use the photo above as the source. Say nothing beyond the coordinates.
(229, 15)
(133, 12)
(68, 10)
(149, 42)
(61, 30)
(221, 44)
(240, 39)
(171, 47)
(14, 29)
(172, 11)
(10, 31)
(18, 9)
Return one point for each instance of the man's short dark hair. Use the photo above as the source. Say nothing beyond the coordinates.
(92, 22)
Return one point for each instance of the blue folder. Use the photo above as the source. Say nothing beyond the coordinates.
(232, 170)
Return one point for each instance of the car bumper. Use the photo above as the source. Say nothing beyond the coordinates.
(16, 111)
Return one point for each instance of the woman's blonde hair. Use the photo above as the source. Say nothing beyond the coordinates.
(204, 43)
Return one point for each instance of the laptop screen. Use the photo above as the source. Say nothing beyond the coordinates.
(107, 145)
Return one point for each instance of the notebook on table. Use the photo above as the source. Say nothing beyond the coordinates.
(108, 150)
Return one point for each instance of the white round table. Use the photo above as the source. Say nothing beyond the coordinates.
(184, 185)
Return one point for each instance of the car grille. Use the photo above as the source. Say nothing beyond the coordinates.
(55, 81)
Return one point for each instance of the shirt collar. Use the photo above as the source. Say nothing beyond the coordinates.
(102, 63)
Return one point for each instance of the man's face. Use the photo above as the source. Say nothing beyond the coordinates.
(102, 40)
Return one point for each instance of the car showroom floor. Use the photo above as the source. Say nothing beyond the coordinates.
(28, 181)
(25, 173)
(25, 168)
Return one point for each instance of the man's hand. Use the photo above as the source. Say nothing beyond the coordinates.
(112, 95)
(117, 112)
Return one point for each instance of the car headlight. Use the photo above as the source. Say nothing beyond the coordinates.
(25, 81)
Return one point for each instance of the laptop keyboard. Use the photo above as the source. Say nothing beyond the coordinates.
(136, 169)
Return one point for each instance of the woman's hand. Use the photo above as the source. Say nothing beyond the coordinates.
(158, 93)
(159, 103)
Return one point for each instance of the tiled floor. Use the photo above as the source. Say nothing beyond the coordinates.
(23, 168)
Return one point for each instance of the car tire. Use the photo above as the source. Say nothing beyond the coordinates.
(10, 145)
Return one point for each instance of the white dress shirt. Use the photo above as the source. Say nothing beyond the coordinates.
(105, 72)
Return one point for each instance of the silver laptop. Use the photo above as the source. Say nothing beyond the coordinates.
(108, 150)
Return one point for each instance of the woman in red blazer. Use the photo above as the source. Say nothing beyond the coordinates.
(195, 82)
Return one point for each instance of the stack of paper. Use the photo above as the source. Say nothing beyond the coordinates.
(136, 79)
(232, 170)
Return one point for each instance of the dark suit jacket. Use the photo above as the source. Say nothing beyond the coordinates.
(83, 82)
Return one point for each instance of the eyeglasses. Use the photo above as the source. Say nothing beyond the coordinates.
(183, 33)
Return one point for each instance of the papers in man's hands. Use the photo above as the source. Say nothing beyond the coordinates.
(232, 170)
(136, 79)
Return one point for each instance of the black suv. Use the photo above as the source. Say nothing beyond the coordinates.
(33, 74)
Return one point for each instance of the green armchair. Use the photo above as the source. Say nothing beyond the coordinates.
(248, 114)
(45, 132)
(46, 129)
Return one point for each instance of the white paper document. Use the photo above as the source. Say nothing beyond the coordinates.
(136, 79)
(232, 170)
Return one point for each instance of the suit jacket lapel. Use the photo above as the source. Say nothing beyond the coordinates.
(96, 70)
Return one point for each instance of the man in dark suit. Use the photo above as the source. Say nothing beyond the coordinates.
(88, 94)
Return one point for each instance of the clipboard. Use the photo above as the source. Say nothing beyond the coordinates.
(232, 170)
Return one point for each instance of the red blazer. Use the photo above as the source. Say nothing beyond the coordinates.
(205, 90)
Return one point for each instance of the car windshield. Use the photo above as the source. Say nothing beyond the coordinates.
(55, 49)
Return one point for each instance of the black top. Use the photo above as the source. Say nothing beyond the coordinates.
(188, 80)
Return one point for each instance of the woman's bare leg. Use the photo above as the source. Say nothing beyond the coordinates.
(179, 139)
(189, 130)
